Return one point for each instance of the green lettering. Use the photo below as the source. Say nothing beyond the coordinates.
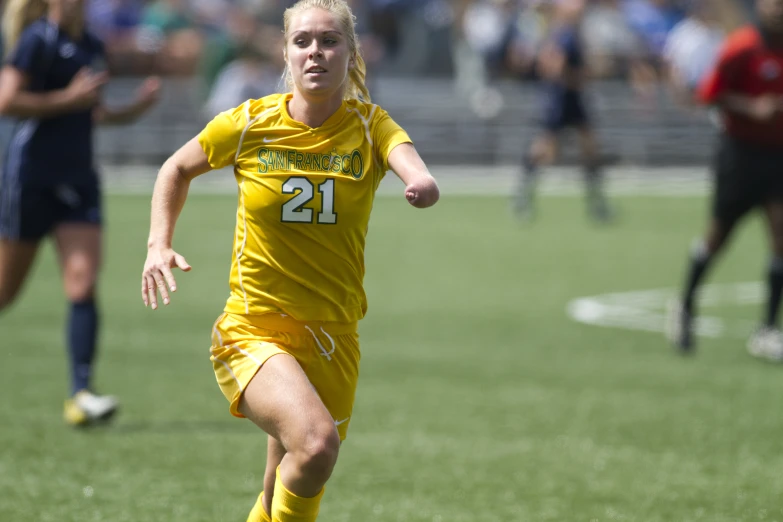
(291, 159)
(346, 164)
(357, 164)
(263, 164)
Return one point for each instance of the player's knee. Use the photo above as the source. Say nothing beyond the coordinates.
(318, 454)
(80, 292)
(80, 285)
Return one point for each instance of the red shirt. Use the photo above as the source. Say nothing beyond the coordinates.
(749, 67)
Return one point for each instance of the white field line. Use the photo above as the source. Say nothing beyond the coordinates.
(645, 310)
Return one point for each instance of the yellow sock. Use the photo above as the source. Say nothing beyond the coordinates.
(287, 507)
(258, 513)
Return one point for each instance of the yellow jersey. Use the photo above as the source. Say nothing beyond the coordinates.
(305, 196)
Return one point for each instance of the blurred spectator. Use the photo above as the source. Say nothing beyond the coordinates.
(168, 31)
(374, 49)
(611, 44)
(652, 20)
(488, 27)
(528, 32)
(415, 35)
(692, 49)
(491, 38)
(730, 14)
(243, 60)
(249, 76)
(242, 34)
(114, 19)
(484, 32)
(385, 18)
(116, 22)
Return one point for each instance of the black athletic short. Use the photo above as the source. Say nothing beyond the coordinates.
(564, 110)
(746, 176)
(30, 212)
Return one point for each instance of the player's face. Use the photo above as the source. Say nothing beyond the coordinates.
(771, 13)
(69, 10)
(317, 53)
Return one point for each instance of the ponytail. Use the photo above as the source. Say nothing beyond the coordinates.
(19, 14)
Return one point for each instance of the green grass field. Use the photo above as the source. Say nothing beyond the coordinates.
(480, 400)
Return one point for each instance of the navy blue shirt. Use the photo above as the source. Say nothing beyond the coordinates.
(56, 150)
(567, 38)
(559, 95)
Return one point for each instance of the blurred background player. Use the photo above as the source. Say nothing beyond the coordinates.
(747, 86)
(562, 69)
(49, 184)
(308, 163)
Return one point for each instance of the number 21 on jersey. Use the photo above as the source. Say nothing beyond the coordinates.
(304, 190)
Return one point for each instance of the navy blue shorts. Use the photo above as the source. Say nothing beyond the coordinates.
(746, 177)
(30, 212)
(564, 110)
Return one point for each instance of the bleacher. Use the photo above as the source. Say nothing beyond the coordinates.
(444, 128)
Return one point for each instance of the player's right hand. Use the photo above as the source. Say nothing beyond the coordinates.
(765, 108)
(84, 91)
(157, 275)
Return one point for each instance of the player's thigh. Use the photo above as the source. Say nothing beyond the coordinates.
(78, 235)
(281, 400)
(587, 140)
(78, 247)
(16, 259)
(772, 163)
(258, 366)
(25, 219)
(335, 375)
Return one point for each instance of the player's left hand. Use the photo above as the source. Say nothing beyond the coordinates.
(148, 92)
(422, 194)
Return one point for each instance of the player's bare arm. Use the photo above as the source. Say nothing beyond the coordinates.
(147, 96)
(421, 189)
(168, 199)
(82, 92)
(761, 108)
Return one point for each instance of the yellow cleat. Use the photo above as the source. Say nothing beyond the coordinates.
(85, 408)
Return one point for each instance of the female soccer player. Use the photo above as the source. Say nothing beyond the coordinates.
(285, 351)
(561, 64)
(49, 184)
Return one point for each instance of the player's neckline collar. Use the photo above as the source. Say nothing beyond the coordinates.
(331, 121)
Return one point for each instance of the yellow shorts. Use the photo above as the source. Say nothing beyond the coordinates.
(327, 352)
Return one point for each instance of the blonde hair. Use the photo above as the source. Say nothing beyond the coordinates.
(18, 14)
(356, 88)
